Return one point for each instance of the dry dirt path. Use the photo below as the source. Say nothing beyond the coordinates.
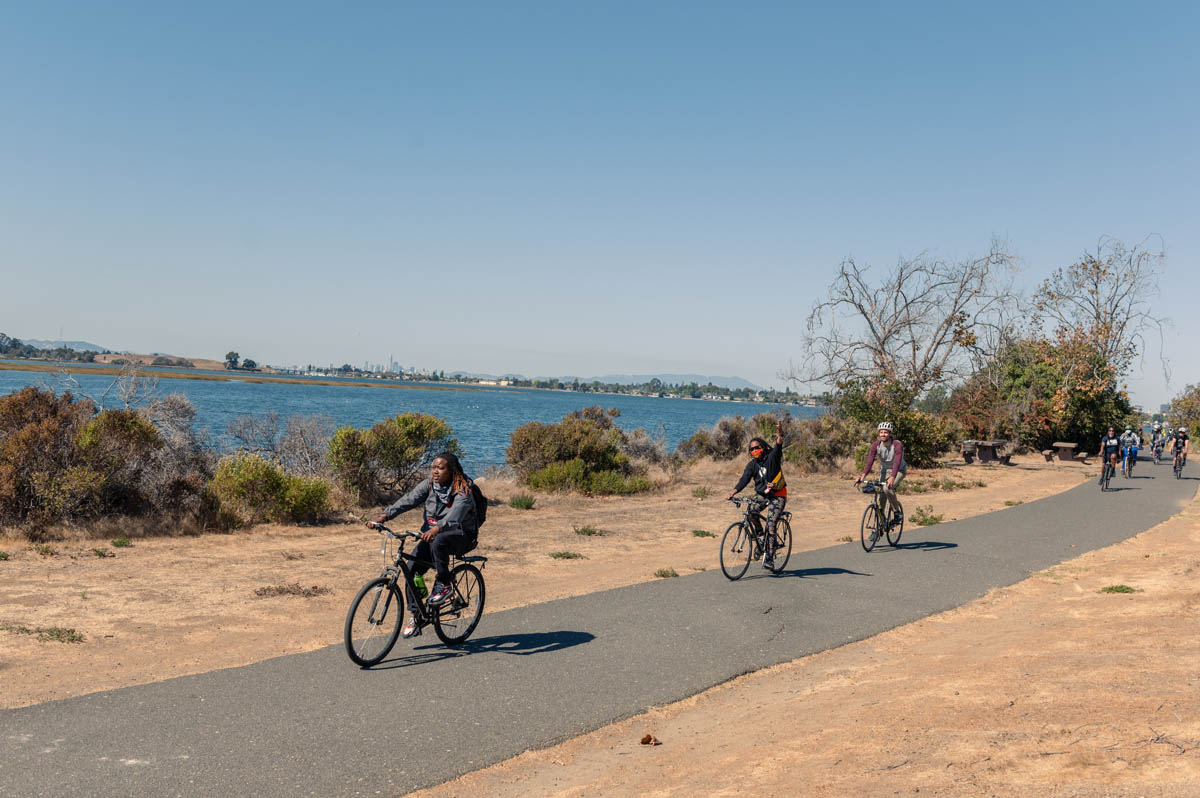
(537, 675)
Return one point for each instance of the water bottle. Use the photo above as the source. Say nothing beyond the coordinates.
(419, 581)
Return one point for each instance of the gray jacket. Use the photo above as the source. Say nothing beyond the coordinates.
(458, 514)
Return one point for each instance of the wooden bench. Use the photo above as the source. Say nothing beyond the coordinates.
(1066, 451)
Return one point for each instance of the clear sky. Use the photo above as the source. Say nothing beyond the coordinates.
(557, 187)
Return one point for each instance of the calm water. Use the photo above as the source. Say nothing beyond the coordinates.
(482, 419)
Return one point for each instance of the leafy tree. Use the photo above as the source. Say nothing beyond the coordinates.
(249, 364)
(1184, 409)
(232, 359)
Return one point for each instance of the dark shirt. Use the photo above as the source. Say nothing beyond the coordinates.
(1110, 444)
(767, 473)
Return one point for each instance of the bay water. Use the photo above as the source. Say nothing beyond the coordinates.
(483, 418)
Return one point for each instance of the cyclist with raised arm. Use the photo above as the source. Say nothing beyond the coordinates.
(1182, 444)
(1110, 445)
(448, 527)
(765, 469)
(893, 467)
(1130, 442)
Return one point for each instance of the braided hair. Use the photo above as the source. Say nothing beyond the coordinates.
(458, 479)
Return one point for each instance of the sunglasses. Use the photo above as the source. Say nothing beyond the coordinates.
(755, 449)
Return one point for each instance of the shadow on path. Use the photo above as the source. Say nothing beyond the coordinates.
(520, 644)
(920, 545)
(809, 573)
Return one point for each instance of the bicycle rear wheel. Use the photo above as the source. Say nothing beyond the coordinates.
(894, 532)
(373, 622)
(783, 545)
(871, 525)
(458, 616)
(737, 548)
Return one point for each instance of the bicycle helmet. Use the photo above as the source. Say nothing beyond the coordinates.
(1183, 429)
(1128, 428)
(1157, 425)
(887, 425)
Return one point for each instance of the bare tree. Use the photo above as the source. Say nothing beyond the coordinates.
(1107, 297)
(921, 326)
(257, 434)
(129, 390)
(304, 447)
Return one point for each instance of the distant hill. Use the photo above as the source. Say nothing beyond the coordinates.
(78, 346)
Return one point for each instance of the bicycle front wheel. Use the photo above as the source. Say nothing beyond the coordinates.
(783, 545)
(737, 548)
(373, 622)
(458, 616)
(896, 530)
(871, 525)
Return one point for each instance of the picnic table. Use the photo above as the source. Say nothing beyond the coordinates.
(987, 451)
(1066, 451)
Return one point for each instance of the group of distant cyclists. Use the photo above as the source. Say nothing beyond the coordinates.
(1124, 448)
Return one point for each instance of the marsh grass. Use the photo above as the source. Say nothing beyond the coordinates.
(521, 501)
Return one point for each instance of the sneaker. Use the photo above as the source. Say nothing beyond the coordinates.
(769, 563)
(897, 519)
(411, 627)
(440, 594)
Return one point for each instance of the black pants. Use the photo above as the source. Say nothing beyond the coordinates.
(457, 542)
(775, 505)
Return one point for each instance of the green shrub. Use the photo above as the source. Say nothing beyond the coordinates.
(665, 573)
(567, 555)
(923, 516)
(925, 437)
(391, 457)
(3, 555)
(46, 550)
(589, 531)
(521, 501)
(1014, 502)
(102, 552)
(703, 533)
(122, 542)
(1118, 589)
(702, 492)
(255, 490)
(581, 453)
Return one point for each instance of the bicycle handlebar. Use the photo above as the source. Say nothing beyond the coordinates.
(383, 530)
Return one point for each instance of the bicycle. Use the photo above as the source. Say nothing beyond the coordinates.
(1178, 465)
(1158, 450)
(746, 540)
(374, 618)
(1130, 458)
(1107, 474)
(875, 518)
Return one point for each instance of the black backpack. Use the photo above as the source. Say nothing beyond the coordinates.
(480, 505)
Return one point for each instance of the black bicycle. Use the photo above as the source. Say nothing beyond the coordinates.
(746, 540)
(1177, 467)
(1107, 474)
(375, 616)
(875, 520)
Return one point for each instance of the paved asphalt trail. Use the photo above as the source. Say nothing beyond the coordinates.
(313, 724)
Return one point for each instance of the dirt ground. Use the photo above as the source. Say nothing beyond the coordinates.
(170, 606)
(1047, 687)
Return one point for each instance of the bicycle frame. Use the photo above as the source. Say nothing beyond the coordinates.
(399, 567)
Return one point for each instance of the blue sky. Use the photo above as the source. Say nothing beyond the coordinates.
(555, 188)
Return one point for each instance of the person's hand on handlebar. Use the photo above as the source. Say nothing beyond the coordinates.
(732, 493)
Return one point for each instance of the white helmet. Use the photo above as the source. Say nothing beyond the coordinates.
(1183, 429)
(887, 425)
(1158, 425)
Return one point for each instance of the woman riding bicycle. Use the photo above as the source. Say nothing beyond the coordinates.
(766, 469)
(1110, 445)
(893, 468)
(449, 527)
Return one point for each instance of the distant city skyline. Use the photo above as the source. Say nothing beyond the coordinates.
(560, 189)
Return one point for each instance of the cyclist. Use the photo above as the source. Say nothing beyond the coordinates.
(892, 466)
(449, 527)
(1130, 441)
(1158, 439)
(766, 470)
(1110, 445)
(1181, 446)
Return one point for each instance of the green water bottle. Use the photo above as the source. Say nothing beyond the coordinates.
(419, 581)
